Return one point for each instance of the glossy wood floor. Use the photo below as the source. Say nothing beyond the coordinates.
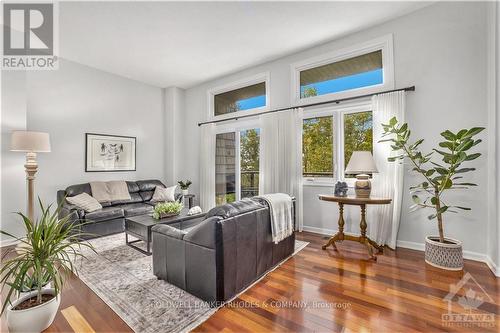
(326, 291)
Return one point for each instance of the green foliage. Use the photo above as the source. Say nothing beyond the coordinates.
(309, 92)
(45, 254)
(173, 207)
(317, 146)
(358, 133)
(437, 177)
(249, 161)
(184, 185)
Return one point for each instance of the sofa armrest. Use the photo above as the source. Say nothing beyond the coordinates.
(72, 211)
(179, 197)
(169, 231)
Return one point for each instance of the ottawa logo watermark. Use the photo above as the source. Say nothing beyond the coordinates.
(30, 32)
(464, 305)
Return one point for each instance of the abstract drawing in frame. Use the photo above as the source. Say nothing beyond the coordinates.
(105, 152)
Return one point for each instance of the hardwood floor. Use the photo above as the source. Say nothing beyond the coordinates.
(325, 291)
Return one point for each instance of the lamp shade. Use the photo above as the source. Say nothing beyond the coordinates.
(26, 141)
(361, 162)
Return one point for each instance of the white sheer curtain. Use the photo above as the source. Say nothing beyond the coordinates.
(207, 166)
(281, 156)
(388, 183)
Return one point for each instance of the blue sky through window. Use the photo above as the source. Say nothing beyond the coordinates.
(252, 102)
(347, 82)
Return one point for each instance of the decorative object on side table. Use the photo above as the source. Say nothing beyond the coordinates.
(184, 185)
(105, 152)
(341, 189)
(362, 164)
(195, 210)
(440, 251)
(363, 239)
(30, 143)
(167, 209)
(44, 258)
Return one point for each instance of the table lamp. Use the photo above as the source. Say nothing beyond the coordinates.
(361, 164)
(30, 143)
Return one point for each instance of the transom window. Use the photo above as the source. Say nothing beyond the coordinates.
(241, 99)
(357, 72)
(365, 68)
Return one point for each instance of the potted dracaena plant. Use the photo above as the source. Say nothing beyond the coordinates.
(437, 179)
(184, 185)
(44, 258)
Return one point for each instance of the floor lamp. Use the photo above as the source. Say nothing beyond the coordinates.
(30, 143)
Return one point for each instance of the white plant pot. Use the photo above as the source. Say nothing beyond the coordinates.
(446, 255)
(185, 192)
(35, 319)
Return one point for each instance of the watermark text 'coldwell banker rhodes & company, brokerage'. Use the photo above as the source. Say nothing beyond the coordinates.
(30, 35)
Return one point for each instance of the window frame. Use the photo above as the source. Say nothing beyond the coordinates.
(242, 125)
(384, 43)
(248, 81)
(337, 112)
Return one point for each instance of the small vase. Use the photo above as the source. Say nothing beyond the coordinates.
(185, 192)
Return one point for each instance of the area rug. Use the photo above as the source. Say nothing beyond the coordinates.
(123, 278)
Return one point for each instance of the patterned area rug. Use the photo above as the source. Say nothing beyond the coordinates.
(123, 278)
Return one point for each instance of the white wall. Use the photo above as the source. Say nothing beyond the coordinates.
(173, 106)
(77, 99)
(442, 50)
(13, 178)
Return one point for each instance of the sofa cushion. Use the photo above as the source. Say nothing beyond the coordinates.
(146, 195)
(73, 190)
(149, 185)
(107, 213)
(236, 208)
(162, 194)
(84, 201)
(134, 198)
(136, 209)
(133, 187)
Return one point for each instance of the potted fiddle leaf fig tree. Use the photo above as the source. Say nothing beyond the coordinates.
(438, 177)
(35, 271)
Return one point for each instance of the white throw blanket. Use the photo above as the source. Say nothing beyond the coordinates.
(110, 191)
(281, 207)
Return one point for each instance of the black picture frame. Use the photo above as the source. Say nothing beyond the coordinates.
(90, 164)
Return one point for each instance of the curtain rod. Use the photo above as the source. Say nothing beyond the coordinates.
(337, 101)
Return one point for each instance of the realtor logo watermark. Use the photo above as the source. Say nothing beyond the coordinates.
(464, 301)
(30, 36)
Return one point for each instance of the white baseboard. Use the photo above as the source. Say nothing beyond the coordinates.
(419, 247)
(467, 255)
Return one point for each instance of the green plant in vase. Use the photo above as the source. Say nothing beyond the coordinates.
(438, 177)
(184, 185)
(166, 209)
(44, 257)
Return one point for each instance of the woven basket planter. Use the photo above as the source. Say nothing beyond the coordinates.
(447, 255)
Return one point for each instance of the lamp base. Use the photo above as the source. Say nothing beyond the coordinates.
(362, 186)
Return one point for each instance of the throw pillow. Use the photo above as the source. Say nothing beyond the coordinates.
(164, 194)
(85, 202)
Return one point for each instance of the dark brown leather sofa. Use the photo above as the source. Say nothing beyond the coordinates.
(222, 255)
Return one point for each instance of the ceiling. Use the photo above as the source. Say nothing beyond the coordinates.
(183, 44)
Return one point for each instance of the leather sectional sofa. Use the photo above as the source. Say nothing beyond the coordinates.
(222, 255)
(111, 218)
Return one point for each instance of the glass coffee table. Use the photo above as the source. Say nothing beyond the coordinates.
(139, 227)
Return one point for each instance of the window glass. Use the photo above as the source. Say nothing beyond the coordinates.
(225, 175)
(249, 162)
(358, 134)
(357, 72)
(317, 147)
(241, 99)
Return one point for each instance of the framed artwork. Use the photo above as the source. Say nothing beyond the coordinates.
(105, 152)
